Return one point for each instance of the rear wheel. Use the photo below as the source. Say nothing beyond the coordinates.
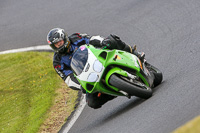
(157, 74)
(138, 89)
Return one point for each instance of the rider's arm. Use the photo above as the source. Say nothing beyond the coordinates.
(68, 77)
(66, 74)
(81, 39)
(72, 82)
(111, 42)
(96, 41)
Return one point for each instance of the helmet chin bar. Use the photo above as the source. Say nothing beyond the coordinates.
(63, 49)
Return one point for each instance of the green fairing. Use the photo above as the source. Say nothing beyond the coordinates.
(124, 59)
(99, 87)
(114, 70)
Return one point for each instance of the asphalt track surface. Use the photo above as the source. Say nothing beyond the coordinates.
(168, 31)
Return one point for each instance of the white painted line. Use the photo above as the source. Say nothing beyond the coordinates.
(76, 114)
(35, 48)
(82, 101)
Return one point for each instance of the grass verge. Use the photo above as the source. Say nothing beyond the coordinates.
(192, 126)
(33, 98)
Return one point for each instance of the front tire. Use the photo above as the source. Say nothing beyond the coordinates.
(130, 88)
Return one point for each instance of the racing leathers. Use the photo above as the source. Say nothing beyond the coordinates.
(61, 62)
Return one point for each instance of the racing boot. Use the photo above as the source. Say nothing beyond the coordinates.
(133, 50)
(140, 55)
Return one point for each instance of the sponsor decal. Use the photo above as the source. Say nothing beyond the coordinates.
(49, 42)
(117, 57)
(58, 66)
(82, 48)
(60, 73)
(55, 40)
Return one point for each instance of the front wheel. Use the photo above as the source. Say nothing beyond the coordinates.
(130, 88)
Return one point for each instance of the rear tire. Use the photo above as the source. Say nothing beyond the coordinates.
(130, 88)
(157, 74)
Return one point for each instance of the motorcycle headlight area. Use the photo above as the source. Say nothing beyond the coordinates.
(97, 67)
(93, 77)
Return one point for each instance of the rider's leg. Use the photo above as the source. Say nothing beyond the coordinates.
(140, 55)
(96, 100)
(133, 50)
(116, 43)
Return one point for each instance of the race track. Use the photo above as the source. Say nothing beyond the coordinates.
(168, 31)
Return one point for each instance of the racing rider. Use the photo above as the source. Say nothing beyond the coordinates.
(64, 47)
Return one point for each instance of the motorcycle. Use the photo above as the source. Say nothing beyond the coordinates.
(114, 72)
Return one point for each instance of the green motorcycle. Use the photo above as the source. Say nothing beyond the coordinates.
(114, 72)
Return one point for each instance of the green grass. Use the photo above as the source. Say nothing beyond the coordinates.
(27, 90)
(192, 126)
(28, 97)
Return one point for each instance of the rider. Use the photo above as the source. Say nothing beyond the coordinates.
(64, 47)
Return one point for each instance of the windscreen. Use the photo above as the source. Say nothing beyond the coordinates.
(79, 60)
